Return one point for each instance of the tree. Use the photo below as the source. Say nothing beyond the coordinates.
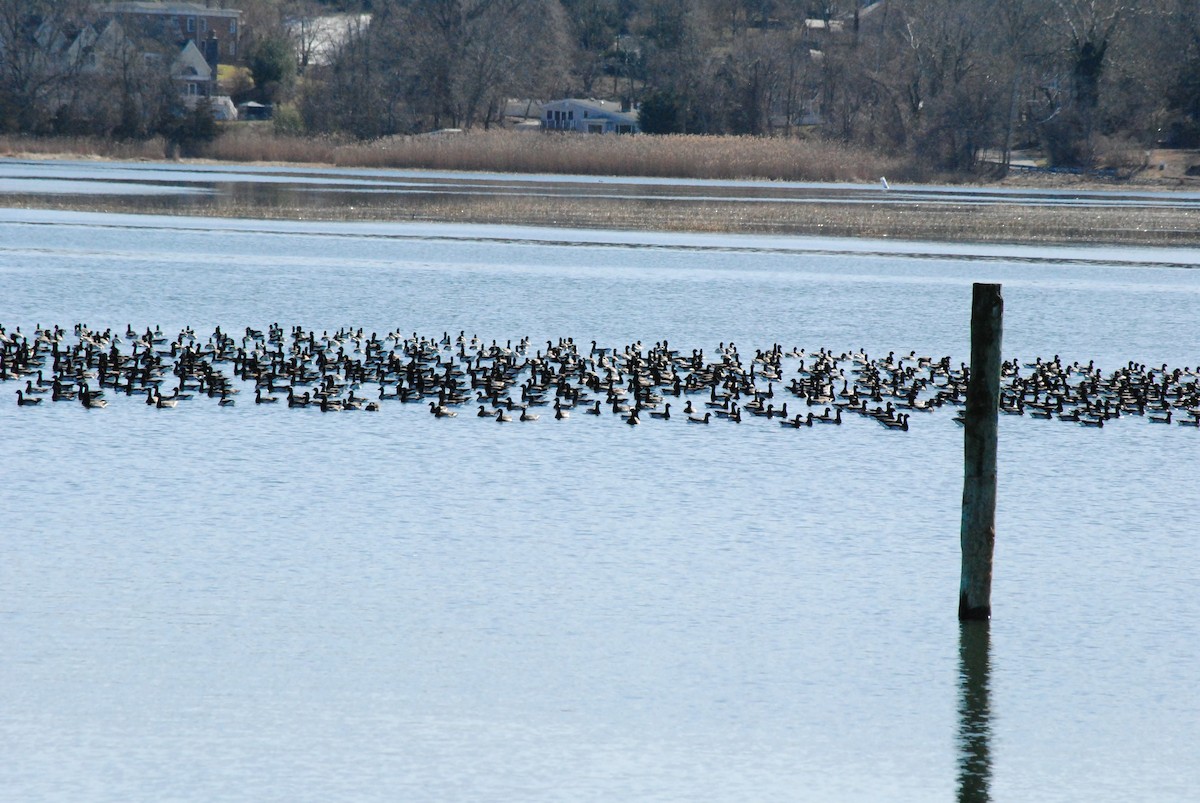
(273, 67)
(458, 60)
(37, 65)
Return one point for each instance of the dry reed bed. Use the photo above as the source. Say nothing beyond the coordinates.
(679, 156)
(531, 152)
(82, 147)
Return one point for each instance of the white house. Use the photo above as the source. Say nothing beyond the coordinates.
(588, 117)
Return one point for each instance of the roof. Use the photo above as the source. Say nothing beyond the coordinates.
(172, 8)
(597, 108)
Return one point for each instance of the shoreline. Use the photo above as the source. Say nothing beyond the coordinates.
(999, 223)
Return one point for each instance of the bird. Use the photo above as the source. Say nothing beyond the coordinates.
(24, 402)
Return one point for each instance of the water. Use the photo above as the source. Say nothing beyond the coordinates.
(206, 603)
(188, 186)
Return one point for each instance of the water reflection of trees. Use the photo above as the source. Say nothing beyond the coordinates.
(974, 713)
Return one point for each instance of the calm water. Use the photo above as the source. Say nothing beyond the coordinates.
(188, 186)
(255, 603)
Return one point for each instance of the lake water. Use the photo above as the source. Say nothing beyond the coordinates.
(254, 603)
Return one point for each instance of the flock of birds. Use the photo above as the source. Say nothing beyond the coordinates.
(350, 370)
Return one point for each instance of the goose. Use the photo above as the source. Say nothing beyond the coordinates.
(594, 410)
(831, 417)
(899, 422)
(560, 413)
(697, 420)
(483, 413)
(91, 399)
(665, 414)
(441, 411)
(24, 402)
(261, 399)
(528, 416)
(502, 416)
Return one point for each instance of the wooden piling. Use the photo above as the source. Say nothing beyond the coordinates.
(978, 534)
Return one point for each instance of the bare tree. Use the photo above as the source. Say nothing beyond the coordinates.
(37, 62)
(459, 58)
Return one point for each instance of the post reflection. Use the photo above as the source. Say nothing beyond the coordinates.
(974, 714)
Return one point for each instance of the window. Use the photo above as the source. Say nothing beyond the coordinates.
(191, 24)
(233, 26)
(203, 25)
(232, 48)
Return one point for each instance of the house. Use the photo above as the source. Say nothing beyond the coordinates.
(588, 117)
(215, 31)
(191, 73)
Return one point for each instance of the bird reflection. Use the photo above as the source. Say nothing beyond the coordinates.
(974, 713)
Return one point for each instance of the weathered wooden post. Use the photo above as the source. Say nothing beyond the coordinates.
(978, 533)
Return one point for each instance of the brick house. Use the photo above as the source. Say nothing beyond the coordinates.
(214, 31)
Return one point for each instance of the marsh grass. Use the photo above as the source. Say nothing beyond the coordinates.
(680, 156)
(83, 147)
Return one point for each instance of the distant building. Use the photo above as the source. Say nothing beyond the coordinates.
(215, 31)
(588, 117)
